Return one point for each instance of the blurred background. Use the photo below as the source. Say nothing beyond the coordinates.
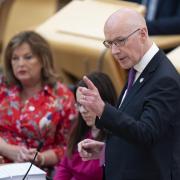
(74, 30)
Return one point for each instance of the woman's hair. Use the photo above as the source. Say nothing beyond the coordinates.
(108, 95)
(39, 47)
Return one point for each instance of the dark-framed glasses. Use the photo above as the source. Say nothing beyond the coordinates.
(118, 42)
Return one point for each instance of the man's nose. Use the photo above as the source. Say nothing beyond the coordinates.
(115, 49)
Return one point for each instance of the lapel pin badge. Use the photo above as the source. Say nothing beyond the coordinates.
(141, 80)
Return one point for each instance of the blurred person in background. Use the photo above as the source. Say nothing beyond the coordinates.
(72, 166)
(34, 106)
(162, 16)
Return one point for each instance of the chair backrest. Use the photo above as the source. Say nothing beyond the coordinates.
(72, 61)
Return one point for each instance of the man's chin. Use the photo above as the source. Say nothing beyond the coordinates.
(124, 66)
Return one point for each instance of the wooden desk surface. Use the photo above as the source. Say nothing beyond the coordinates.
(167, 42)
(85, 18)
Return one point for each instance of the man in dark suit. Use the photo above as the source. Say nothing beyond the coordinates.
(144, 129)
(166, 16)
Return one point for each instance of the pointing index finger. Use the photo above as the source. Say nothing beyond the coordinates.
(89, 83)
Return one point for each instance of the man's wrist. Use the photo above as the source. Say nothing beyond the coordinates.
(100, 114)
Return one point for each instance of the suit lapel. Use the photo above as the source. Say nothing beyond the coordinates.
(142, 80)
(121, 95)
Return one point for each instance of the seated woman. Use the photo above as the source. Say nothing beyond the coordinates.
(34, 106)
(72, 167)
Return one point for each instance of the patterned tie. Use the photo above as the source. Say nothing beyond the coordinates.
(131, 77)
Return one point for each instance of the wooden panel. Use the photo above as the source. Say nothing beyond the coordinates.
(28, 14)
(5, 7)
(167, 42)
(174, 56)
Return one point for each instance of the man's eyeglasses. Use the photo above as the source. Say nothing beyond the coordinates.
(118, 42)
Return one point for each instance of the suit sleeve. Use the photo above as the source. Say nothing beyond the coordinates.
(159, 108)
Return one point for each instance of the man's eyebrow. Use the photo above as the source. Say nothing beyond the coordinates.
(118, 37)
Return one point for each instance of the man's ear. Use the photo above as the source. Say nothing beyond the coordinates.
(143, 33)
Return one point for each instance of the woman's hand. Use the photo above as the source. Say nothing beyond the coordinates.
(25, 154)
(16, 153)
(29, 155)
(46, 158)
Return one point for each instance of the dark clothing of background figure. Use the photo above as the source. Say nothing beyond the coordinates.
(144, 133)
(167, 18)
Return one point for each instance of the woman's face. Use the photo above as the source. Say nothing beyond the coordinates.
(26, 66)
(88, 116)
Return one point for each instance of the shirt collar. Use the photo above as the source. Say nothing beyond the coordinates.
(146, 58)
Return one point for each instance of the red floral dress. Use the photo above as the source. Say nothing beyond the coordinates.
(46, 116)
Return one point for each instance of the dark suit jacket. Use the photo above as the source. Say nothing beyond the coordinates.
(167, 18)
(144, 133)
